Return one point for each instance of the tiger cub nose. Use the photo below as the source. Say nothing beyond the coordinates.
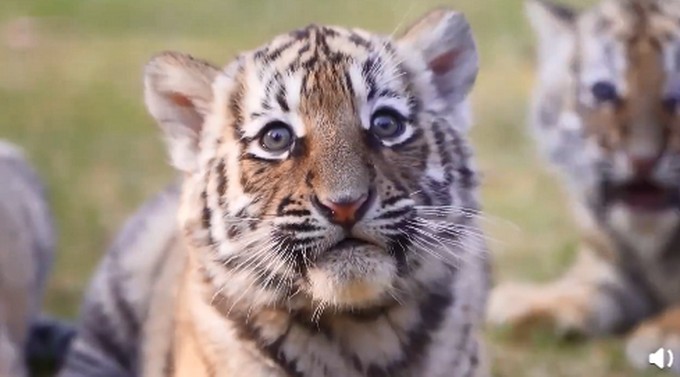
(643, 165)
(345, 211)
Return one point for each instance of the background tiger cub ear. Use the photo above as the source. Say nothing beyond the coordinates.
(444, 39)
(553, 25)
(178, 94)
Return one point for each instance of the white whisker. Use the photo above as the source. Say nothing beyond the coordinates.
(455, 230)
(468, 212)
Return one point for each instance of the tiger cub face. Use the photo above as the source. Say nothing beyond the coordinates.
(322, 168)
(607, 105)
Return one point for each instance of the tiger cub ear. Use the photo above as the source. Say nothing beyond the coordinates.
(444, 39)
(548, 17)
(553, 24)
(178, 94)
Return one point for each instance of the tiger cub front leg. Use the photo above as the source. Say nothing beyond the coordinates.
(591, 299)
(662, 331)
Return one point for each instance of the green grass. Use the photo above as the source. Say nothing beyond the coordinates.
(74, 102)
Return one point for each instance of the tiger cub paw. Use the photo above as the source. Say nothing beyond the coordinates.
(659, 332)
(522, 307)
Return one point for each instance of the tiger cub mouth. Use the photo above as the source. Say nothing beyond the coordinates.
(350, 242)
(645, 195)
(352, 274)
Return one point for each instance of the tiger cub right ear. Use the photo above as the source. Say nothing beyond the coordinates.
(554, 27)
(545, 15)
(443, 38)
(549, 19)
(178, 94)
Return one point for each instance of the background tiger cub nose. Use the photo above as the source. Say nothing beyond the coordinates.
(643, 166)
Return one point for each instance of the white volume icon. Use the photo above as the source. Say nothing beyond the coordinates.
(658, 358)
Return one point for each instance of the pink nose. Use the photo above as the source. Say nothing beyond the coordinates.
(344, 212)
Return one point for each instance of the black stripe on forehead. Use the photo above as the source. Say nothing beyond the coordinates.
(317, 48)
(368, 70)
(316, 38)
(348, 82)
(326, 87)
(312, 38)
(235, 104)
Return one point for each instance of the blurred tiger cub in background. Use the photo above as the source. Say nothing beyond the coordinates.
(27, 244)
(606, 114)
(322, 227)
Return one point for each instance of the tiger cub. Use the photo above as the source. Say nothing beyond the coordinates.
(324, 215)
(27, 244)
(606, 114)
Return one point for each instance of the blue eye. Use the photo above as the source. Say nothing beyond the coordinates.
(604, 92)
(387, 124)
(276, 137)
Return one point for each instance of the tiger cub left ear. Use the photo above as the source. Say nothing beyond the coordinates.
(178, 94)
(444, 39)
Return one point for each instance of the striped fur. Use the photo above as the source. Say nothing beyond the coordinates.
(266, 287)
(606, 115)
(131, 284)
(27, 243)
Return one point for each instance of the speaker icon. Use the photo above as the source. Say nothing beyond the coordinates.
(658, 358)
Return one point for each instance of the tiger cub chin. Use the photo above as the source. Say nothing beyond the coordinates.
(326, 212)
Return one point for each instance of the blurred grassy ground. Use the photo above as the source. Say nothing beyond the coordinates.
(73, 100)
